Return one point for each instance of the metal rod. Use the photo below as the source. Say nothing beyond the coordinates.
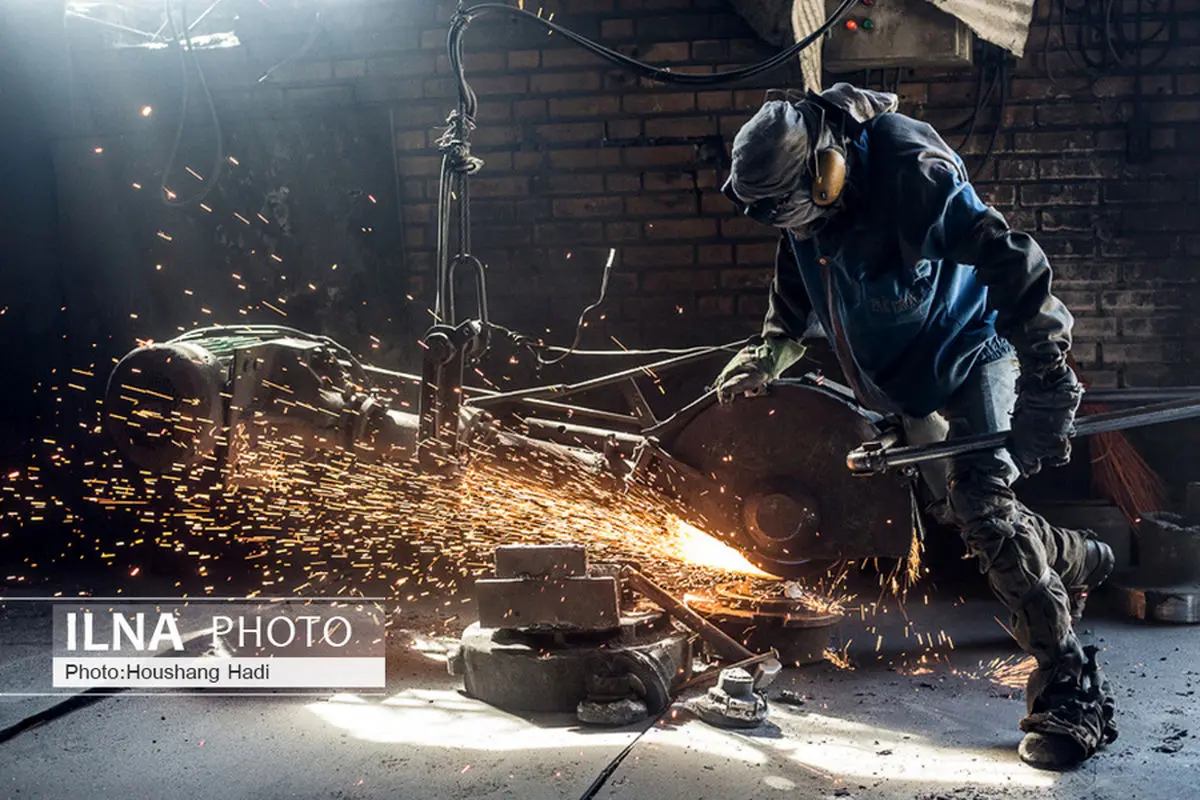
(725, 645)
(564, 389)
(873, 458)
(550, 405)
(1151, 395)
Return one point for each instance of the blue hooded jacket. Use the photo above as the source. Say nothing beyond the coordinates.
(916, 280)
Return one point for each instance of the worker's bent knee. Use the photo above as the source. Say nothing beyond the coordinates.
(981, 496)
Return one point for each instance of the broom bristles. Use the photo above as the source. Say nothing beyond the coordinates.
(1119, 472)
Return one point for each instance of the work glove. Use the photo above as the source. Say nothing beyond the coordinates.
(1044, 418)
(755, 366)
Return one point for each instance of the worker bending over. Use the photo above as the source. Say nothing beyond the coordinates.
(934, 305)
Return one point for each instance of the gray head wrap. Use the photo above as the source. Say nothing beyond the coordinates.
(772, 152)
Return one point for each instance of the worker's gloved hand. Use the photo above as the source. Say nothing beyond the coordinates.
(755, 366)
(1044, 418)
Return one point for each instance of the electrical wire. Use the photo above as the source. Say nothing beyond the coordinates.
(469, 101)
(304, 47)
(582, 321)
(185, 50)
(1101, 45)
(991, 148)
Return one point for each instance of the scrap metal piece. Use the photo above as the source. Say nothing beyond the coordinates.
(584, 602)
(796, 623)
(554, 671)
(540, 560)
(725, 646)
(773, 489)
(1175, 604)
(611, 713)
(732, 703)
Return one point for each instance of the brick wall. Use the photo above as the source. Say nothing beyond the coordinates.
(581, 157)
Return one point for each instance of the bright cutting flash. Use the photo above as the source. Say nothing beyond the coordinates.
(694, 546)
(147, 111)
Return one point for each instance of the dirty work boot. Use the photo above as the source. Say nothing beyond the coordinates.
(1050, 751)
(1070, 717)
(1098, 564)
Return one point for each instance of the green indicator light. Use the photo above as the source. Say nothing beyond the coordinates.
(867, 24)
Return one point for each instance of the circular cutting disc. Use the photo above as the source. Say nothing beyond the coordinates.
(787, 496)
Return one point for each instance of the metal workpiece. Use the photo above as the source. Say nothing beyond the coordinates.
(725, 646)
(646, 659)
(732, 703)
(874, 457)
(798, 625)
(1164, 586)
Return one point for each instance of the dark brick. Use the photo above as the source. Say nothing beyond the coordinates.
(525, 59)
(663, 181)
(714, 305)
(678, 280)
(686, 127)
(570, 132)
(508, 186)
(617, 29)
(746, 278)
(1151, 327)
(664, 156)
(585, 106)
(1092, 167)
(1059, 194)
(1053, 141)
(657, 256)
(659, 102)
(407, 64)
(622, 182)
(1148, 192)
(499, 84)
(695, 228)
(622, 231)
(591, 158)
(1067, 219)
(658, 205)
(1141, 352)
(721, 254)
(564, 82)
(588, 207)
(1140, 300)
(569, 183)
(1159, 218)
(569, 57)
(572, 233)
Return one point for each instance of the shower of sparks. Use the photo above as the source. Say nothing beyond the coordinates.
(326, 522)
(1010, 672)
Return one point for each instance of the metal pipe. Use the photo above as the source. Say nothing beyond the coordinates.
(564, 389)
(550, 405)
(872, 457)
(1151, 395)
(722, 643)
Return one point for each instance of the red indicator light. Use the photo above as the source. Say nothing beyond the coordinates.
(851, 25)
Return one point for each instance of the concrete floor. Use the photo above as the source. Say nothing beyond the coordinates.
(870, 732)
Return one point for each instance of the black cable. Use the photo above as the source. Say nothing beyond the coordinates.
(465, 16)
(991, 148)
(300, 51)
(611, 767)
(219, 160)
(579, 324)
(982, 97)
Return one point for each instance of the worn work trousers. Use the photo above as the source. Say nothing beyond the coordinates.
(1028, 563)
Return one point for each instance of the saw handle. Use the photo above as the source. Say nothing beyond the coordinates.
(879, 455)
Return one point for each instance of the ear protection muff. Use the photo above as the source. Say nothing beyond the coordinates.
(830, 177)
(829, 162)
